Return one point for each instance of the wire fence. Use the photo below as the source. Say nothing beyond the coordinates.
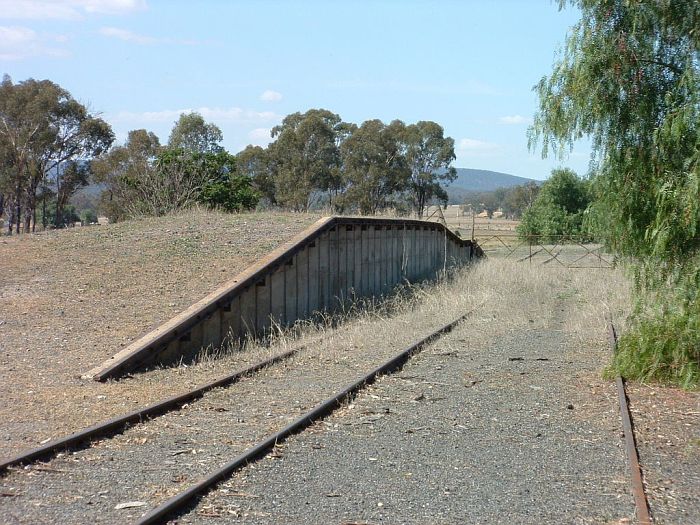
(564, 250)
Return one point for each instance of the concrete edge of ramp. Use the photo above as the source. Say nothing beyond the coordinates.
(208, 322)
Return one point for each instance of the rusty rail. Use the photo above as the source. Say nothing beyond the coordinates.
(117, 424)
(637, 483)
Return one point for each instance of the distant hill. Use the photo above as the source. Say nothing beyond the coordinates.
(485, 180)
(477, 181)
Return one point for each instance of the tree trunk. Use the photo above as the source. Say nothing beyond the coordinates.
(44, 222)
(18, 213)
(58, 219)
(10, 219)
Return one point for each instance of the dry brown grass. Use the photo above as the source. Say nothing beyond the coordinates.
(68, 298)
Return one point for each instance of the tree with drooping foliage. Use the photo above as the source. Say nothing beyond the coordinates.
(122, 171)
(256, 163)
(629, 78)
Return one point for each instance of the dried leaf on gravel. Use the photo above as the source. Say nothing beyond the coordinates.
(129, 505)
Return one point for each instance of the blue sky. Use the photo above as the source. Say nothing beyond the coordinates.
(468, 65)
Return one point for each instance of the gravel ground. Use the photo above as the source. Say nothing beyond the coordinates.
(70, 299)
(498, 422)
(667, 428)
(153, 461)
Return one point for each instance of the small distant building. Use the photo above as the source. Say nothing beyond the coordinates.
(102, 220)
(497, 214)
(483, 215)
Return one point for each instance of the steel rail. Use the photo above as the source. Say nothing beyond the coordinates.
(637, 483)
(323, 409)
(117, 424)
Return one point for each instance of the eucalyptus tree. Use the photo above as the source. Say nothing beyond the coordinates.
(629, 78)
(429, 155)
(42, 127)
(192, 133)
(256, 163)
(123, 171)
(306, 157)
(373, 165)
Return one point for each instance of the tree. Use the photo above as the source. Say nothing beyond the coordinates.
(628, 78)
(192, 133)
(223, 187)
(255, 163)
(306, 157)
(41, 127)
(123, 170)
(559, 207)
(520, 198)
(429, 155)
(373, 165)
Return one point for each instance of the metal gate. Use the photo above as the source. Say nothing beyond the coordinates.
(564, 250)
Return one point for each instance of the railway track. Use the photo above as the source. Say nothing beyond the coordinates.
(635, 470)
(80, 443)
(263, 444)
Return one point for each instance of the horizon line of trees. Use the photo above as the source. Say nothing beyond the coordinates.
(51, 146)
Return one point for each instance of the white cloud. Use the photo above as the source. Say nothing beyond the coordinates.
(233, 114)
(136, 38)
(127, 36)
(67, 9)
(18, 42)
(476, 145)
(515, 119)
(271, 96)
(472, 148)
(260, 136)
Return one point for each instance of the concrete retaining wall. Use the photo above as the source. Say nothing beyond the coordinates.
(324, 268)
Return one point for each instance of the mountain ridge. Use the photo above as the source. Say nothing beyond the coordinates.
(470, 180)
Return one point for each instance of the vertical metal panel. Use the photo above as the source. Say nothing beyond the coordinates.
(408, 256)
(231, 321)
(357, 261)
(364, 270)
(211, 330)
(412, 234)
(377, 259)
(324, 277)
(340, 272)
(191, 342)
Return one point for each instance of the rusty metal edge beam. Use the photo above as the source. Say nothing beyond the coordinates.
(323, 409)
(117, 424)
(637, 483)
(184, 321)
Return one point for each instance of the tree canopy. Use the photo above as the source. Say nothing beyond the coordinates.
(193, 134)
